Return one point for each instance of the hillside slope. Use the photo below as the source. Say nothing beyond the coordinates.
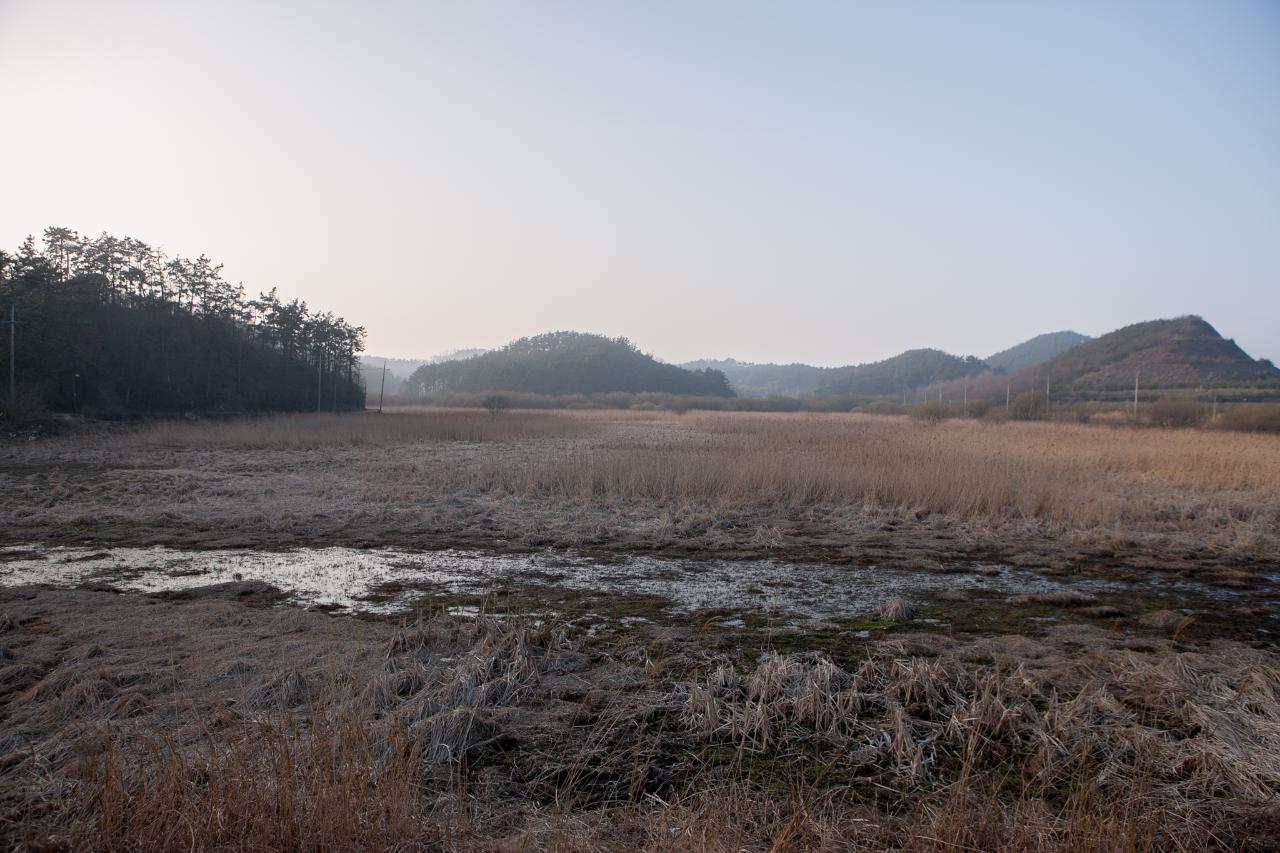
(911, 369)
(568, 363)
(1035, 351)
(1184, 352)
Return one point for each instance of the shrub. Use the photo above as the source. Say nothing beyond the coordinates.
(978, 408)
(1176, 413)
(1251, 417)
(1028, 406)
(495, 403)
(931, 411)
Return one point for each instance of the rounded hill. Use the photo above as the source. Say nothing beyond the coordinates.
(569, 363)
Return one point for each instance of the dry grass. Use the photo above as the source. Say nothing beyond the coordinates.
(1070, 474)
(270, 785)
(448, 734)
(1257, 417)
(389, 429)
(764, 484)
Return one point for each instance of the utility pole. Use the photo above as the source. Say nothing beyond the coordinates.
(319, 376)
(383, 389)
(1046, 396)
(1007, 384)
(965, 410)
(13, 385)
(1135, 393)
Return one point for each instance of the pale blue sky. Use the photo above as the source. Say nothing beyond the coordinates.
(815, 182)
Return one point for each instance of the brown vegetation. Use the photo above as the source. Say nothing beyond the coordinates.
(312, 432)
(131, 724)
(1175, 413)
(1263, 417)
(135, 723)
(748, 484)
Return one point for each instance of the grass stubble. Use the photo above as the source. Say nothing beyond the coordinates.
(130, 723)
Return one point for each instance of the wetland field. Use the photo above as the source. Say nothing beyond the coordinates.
(619, 630)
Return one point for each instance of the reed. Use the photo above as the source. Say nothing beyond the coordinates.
(1075, 475)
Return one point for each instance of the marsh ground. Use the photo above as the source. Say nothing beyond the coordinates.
(834, 488)
(1129, 702)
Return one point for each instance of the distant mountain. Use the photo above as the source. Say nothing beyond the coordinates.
(910, 370)
(455, 355)
(907, 370)
(1038, 350)
(403, 366)
(766, 380)
(399, 369)
(1185, 352)
(372, 376)
(568, 363)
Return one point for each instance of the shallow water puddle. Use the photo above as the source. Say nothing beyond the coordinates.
(389, 580)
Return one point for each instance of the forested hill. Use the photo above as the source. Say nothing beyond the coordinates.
(911, 369)
(568, 363)
(1035, 351)
(111, 327)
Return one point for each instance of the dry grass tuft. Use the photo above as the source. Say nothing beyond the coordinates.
(1056, 598)
(895, 610)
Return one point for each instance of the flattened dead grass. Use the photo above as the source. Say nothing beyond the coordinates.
(489, 735)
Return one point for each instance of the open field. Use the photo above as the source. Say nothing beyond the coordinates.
(965, 636)
(855, 488)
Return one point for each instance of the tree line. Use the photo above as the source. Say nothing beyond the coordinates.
(113, 326)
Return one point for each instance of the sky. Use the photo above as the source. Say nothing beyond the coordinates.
(828, 183)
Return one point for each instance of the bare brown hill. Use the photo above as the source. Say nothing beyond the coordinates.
(1183, 352)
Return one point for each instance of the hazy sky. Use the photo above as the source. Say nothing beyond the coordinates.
(817, 182)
